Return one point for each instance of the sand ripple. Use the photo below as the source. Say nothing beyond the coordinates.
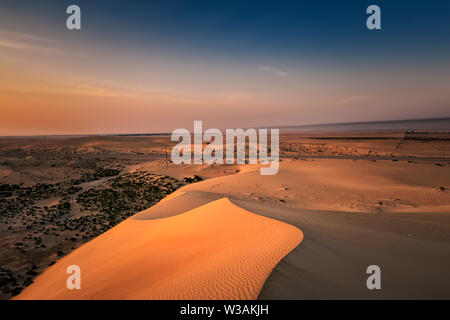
(215, 251)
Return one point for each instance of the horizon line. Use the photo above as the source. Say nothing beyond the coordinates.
(269, 127)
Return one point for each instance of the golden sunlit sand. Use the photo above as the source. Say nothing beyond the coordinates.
(216, 251)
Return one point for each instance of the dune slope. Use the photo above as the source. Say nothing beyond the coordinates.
(215, 251)
(412, 249)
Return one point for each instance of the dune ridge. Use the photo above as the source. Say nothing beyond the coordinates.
(215, 251)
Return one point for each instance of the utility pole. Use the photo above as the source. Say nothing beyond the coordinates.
(166, 155)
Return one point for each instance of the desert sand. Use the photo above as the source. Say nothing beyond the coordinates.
(309, 232)
(216, 251)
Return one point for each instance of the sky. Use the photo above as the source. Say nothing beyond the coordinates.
(154, 66)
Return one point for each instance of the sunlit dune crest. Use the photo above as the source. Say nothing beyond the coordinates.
(215, 251)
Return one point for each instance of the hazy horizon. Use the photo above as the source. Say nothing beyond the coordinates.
(427, 124)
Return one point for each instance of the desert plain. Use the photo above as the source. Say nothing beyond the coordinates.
(140, 227)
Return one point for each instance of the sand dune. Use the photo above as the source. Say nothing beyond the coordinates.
(215, 251)
(351, 213)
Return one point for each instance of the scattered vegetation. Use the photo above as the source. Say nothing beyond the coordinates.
(45, 221)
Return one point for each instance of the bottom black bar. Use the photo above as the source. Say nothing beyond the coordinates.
(246, 310)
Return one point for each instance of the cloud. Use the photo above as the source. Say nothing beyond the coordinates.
(273, 70)
(26, 42)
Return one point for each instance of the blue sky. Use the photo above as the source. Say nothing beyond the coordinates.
(252, 62)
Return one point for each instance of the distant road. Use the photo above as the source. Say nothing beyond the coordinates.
(293, 156)
(149, 157)
(347, 157)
